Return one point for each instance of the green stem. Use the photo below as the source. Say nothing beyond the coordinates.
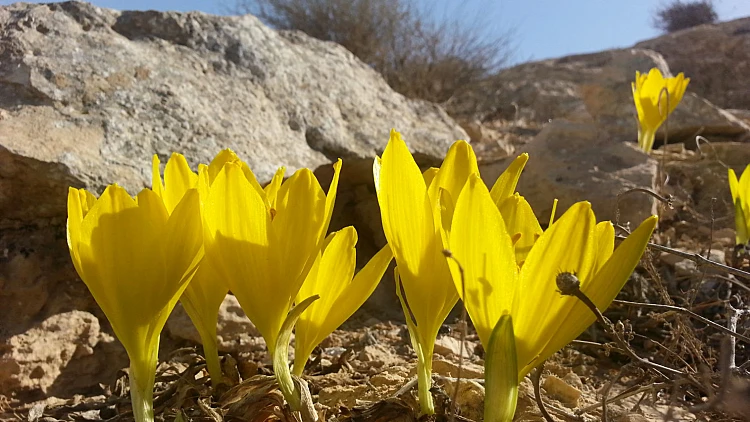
(646, 140)
(423, 351)
(280, 360)
(299, 362)
(424, 381)
(211, 352)
(141, 396)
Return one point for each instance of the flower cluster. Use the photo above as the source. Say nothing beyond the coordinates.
(197, 235)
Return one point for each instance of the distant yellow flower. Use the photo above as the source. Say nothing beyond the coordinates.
(652, 94)
(741, 199)
(415, 211)
(263, 243)
(340, 294)
(136, 259)
(543, 320)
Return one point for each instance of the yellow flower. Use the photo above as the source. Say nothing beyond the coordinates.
(741, 199)
(520, 221)
(416, 222)
(543, 320)
(262, 243)
(340, 295)
(136, 259)
(204, 295)
(652, 94)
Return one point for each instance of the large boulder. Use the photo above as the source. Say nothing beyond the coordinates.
(593, 89)
(574, 162)
(88, 95)
(716, 57)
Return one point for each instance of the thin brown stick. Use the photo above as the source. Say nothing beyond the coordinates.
(699, 259)
(669, 200)
(687, 312)
(569, 285)
(535, 380)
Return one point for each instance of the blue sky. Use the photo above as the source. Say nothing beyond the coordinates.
(542, 28)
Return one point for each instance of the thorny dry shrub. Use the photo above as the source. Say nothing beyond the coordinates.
(419, 57)
(679, 15)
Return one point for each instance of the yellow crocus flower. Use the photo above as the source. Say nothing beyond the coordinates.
(205, 293)
(652, 94)
(543, 320)
(519, 218)
(416, 222)
(741, 198)
(340, 294)
(136, 259)
(262, 243)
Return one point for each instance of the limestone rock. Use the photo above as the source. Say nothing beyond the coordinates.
(595, 89)
(575, 162)
(90, 94)
(562, 391)
(33, 360)
(233, 329)
(451, 346)
(716, 57)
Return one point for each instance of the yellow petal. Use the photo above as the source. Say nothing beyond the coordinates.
(228, 156)
(340, 296)
(429, 175)
(404, 207)
(79, 203)
(204, 182)
(602, 288)
(300, 215)
(124, 267)
(521, 224)
(744, 188)
(569, 245)
(740, 191)
(480, 243)
(331, 199)
(156, 184)
(605, 239)
(409, 227)
(360, 288)
(183, 241)
(223, 157)
(178, 178)
(742, 225)
(272, 189)
(202, 300)
(334, 271)
(505, 185)
(237, 242)
(734, 187)
(460, 162)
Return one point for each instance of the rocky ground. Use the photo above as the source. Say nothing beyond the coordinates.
(86, 99)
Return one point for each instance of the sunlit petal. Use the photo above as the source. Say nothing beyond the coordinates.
(505, 185)
(480, 243)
